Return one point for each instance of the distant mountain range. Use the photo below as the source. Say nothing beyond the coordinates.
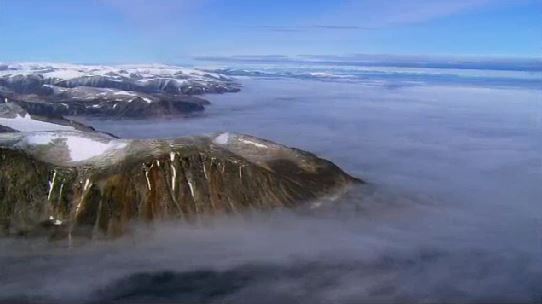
(389, 71)
(117, 91)
(439, 62)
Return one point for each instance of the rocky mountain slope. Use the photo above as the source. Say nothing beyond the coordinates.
(134, 91)
(71, 183)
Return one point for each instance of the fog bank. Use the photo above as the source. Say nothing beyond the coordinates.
(452, 212)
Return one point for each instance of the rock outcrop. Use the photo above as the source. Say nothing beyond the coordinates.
(88, 184)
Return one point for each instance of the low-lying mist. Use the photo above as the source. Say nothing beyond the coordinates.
(451, 214)
(371, 247)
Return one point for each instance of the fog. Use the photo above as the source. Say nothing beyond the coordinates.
(452, 212)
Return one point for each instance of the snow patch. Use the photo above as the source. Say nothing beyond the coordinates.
(124, 93)
(222, 139)
(56, 222)
(250, 142)
(81, 148)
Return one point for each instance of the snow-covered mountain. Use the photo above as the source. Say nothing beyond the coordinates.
(151, 78)
(125, 91)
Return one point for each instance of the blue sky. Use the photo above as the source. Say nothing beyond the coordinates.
(115, 31)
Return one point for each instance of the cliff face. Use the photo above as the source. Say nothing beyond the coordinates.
(48, 184)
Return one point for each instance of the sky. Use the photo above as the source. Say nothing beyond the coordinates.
(173, 31)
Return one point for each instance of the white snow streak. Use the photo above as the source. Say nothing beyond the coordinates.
(51, 186)
(173, 177)
(148, 181)
(191, 187)
(246, 141)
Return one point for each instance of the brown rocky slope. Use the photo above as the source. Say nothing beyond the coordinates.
(71, 183)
